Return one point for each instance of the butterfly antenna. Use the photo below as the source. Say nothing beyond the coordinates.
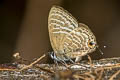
(100, 50)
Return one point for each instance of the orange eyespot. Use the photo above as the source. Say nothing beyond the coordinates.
(91, 44)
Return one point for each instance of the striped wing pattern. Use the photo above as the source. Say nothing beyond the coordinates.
(67, 36)
(60, 23)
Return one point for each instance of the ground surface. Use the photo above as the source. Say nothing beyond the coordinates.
(104, 69)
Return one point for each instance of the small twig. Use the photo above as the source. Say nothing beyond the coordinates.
(78, 77)
(100, 75)
(90, 61)
(30, 65)
(114, 75)
(90, 75)
(5, 69)
(46, 70)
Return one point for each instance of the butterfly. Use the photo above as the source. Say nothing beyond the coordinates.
(69, 38)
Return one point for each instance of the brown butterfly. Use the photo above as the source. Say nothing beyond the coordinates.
(69, 39)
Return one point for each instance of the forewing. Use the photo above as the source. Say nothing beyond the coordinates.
(60, 24)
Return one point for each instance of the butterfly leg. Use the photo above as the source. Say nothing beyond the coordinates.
(56, 62)
(56, 59)
(53, 56)
(69, 59)
(79, 58)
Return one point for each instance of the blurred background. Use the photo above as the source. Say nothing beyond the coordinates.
(23, 26)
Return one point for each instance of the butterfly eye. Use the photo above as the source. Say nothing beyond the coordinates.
(91, 44)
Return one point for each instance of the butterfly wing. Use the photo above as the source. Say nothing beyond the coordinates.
(67, 36)
(60, 24)
(75, 44)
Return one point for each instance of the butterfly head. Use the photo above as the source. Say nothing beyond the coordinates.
(89, 42)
